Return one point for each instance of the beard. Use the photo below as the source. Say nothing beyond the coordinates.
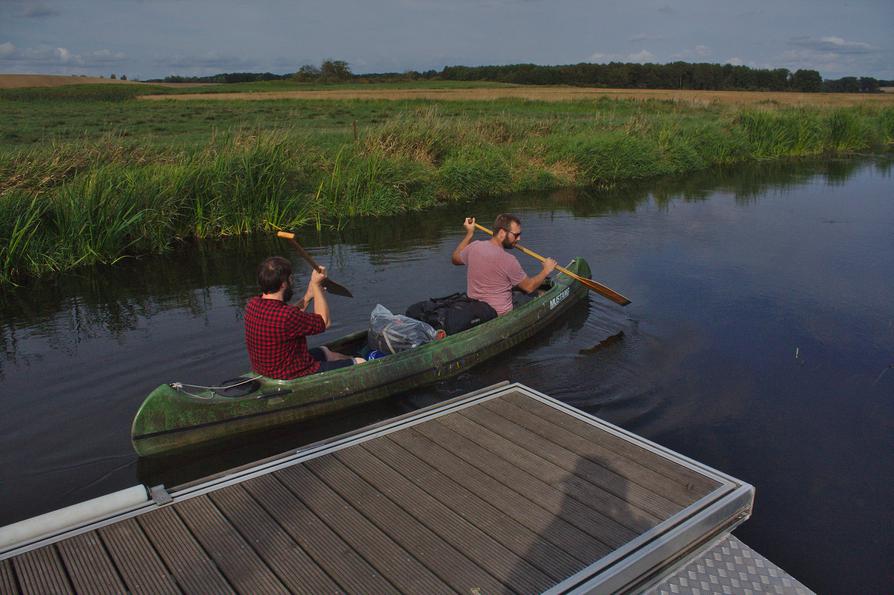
(507, 244)
(288, 294)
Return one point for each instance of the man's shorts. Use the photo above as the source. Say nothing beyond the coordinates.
(325, 366)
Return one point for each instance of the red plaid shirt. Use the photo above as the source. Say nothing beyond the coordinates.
(275, 336)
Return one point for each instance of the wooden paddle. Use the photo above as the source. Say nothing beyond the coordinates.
(593, 285)
(330, 285)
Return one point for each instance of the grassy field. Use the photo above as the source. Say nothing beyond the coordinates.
(91, 173)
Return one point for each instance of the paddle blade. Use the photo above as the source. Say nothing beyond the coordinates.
(334, 288)
(604, 291)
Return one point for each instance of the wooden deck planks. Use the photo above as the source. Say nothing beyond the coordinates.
(571, 538)
(294, 567)
(694, 483)
(640, 485)
(346, 567)
(194, 570)
(41, 571)
(602, 527)
(136, 559)
(89, 566)
(526, 431)
(438, 552)
(236, 559)
(538, 465)
(398, 565)
(385, 460)
(7, 578)
(474, 527)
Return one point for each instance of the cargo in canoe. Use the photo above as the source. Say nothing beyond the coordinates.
(172, 417)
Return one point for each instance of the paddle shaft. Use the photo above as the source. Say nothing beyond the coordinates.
(331, 285)
(301, 251)
(597, 287)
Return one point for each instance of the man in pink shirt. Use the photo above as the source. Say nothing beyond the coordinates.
(493, 272)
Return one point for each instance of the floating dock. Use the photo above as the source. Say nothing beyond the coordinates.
(504, 490)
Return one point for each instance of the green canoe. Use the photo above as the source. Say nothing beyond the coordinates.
(172, 418)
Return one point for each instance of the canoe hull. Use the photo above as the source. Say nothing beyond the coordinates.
(170, 419)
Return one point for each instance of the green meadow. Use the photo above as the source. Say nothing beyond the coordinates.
(90, 174)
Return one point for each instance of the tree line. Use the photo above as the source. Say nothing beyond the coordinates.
(329, 71)
(225, 77)
(624, 75)
(675, 75)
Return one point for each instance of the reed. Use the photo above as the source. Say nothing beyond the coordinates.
(19, 224)
(104, 198)
(423, 135)
(473, 173)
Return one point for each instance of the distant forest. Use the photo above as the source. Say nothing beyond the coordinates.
(676, 75)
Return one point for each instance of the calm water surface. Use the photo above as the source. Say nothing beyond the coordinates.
(760, 341)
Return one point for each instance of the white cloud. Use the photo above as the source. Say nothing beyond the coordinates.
(43, 55)
(811, 59)
(698, 52)
(735, 61)
(641, 56)
(64, 56)
(832, 44)
(833, 56)
(52, 57)
(106, 56)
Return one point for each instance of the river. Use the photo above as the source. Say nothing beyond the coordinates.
(760, 341)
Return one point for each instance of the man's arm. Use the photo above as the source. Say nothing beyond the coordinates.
(307, 299)
(529, 284)
(469, 224)
(315, 287)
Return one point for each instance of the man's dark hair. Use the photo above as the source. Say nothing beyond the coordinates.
(272, 272)
(504, 220)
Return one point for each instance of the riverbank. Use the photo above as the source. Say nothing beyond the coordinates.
(87, 177)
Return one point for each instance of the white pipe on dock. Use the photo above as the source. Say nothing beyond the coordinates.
(71, 516)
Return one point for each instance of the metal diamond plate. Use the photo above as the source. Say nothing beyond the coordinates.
(729, 567)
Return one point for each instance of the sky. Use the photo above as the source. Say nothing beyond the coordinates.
(156, 38)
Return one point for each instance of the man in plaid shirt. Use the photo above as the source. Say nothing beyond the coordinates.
(275, 332)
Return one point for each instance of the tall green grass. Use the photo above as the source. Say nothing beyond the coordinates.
(19, 223)
(100, 200)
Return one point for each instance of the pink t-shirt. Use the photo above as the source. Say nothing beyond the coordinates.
(492, 273)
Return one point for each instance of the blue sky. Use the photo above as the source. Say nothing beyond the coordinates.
(156, 38)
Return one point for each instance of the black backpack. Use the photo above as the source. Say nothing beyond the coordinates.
(454, 313)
